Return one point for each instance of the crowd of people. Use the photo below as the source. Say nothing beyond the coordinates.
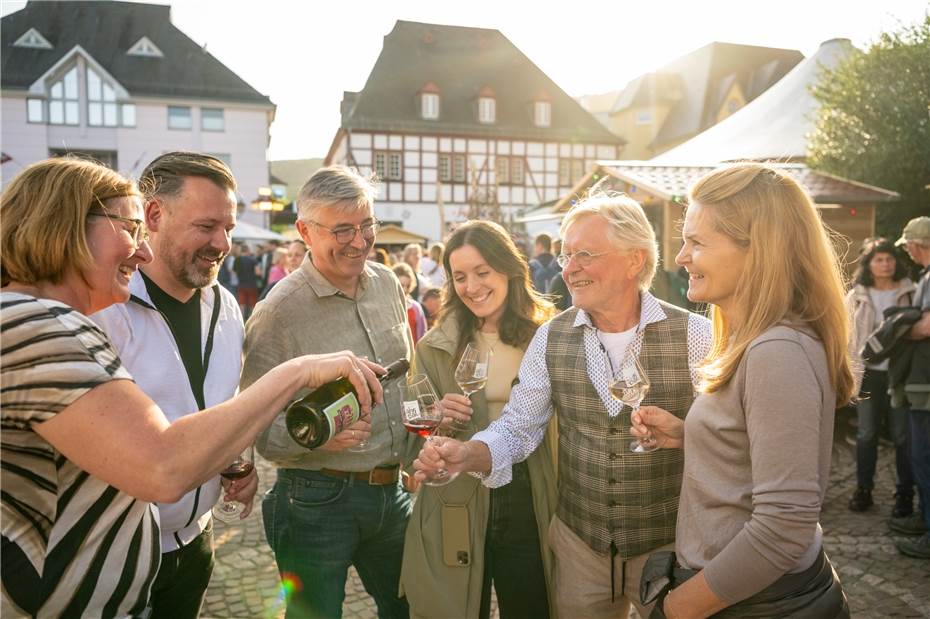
(143, 352)
(249, 276)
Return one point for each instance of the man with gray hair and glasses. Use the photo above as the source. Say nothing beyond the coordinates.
(336, 506)
(615, 506)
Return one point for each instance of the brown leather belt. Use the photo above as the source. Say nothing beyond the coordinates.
(379, 476)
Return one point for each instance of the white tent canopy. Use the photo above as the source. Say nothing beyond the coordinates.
(245, 231)
(774, 126)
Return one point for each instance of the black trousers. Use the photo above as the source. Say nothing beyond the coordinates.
(182, 579)
(512, 558)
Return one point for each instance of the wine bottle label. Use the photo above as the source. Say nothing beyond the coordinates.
(342, 413)
(412, 410)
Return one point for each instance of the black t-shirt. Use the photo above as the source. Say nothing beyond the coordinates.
(184, 322)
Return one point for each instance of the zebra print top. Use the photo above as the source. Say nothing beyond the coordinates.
(72, 545)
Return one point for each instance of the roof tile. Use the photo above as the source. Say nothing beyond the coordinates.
(187, 69)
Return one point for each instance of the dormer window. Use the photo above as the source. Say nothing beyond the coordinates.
(144, 47)
(487, 106)
(33, 39)
(430, 105)
(429, 101)
(487, 111)
(542, 114)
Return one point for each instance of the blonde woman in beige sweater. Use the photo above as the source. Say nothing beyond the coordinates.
(757, 440)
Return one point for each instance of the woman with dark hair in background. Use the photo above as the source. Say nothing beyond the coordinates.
(432, 304)
(880, 282)
(488, 301)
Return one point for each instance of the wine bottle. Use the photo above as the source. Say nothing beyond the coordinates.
(331, 408)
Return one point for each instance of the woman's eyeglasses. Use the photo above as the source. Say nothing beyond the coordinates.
(137, 229)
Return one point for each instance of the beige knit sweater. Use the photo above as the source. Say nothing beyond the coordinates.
(757, 463)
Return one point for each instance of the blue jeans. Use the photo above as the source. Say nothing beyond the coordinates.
(318, 525)
(512, 556)
(920, 458)
(873, 406)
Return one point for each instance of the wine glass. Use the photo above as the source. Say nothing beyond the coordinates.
(364, 446)
(228, 511)
(471, 375)
(629, 385)
(422, 412)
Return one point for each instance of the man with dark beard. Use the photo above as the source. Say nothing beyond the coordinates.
(181, 336)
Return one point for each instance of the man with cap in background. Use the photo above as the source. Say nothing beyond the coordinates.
(916, 239)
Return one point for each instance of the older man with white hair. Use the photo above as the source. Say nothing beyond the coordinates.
(615, 505)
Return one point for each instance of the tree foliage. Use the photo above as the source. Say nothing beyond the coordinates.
(873, 124)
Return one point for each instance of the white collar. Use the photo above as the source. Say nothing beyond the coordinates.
(649, 312)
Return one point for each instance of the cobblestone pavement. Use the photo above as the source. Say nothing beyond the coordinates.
(879, 581)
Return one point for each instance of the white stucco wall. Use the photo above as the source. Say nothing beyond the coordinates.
(244, 140)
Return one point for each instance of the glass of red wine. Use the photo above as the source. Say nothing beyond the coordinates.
(228, 511)
(422, 412)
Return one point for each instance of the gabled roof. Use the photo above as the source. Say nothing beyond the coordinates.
(672, 182)
(392, 234)
(600, 103)
(649, 89)
(461, 62)
(293, 173)
(107, 30)
(695, 81)
(772, 127)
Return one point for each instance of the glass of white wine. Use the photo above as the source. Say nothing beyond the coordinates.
(630, 386)
(471, 375)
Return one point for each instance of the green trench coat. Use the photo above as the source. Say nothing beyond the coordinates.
(434, 589)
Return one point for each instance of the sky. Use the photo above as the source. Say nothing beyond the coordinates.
(304, 54)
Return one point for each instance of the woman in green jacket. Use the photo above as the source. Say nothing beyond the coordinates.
(462, 536)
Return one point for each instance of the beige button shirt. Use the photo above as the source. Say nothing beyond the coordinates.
(305, 314)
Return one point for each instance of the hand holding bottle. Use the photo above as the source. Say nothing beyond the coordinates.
(362, 373)
(341, 407)
(357, 433)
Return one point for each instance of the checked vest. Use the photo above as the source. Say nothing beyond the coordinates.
(607, 494)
